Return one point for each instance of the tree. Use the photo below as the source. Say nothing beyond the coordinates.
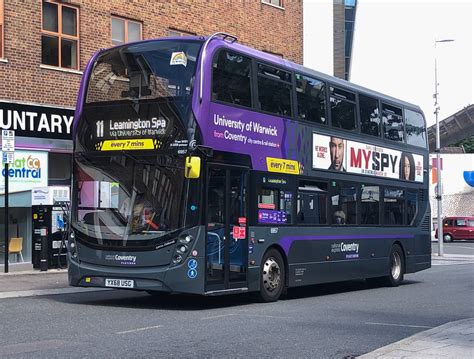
(468, 144)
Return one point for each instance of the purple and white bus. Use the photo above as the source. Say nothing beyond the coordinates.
(204, 166)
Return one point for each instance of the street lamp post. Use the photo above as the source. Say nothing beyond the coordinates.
(438, 160)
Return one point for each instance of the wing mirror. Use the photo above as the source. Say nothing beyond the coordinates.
(192, 168)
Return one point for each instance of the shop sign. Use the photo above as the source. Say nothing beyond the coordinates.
(36, 121)
(47, 196)
(28, 170)
(8, 140)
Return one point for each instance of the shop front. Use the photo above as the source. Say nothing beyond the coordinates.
(42, 160)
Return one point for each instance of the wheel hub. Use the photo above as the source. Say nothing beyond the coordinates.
(396, 266)
(271, 274)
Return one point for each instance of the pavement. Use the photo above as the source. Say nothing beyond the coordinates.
(450, 340)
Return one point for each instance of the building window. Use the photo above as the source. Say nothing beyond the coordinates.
(179, 33)
(60, 35)
(1, 29)
(278, 3)
(124, 30)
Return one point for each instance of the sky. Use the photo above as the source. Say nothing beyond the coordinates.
(394, 49)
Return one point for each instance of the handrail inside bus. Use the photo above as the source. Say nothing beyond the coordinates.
(226, 37)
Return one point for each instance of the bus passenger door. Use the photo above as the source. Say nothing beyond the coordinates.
(227, 245)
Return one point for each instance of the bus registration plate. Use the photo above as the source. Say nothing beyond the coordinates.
(119, 283)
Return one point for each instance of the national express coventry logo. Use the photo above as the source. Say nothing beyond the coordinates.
(25, 168)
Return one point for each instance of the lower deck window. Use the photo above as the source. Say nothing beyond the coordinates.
(311, 203)
(343, 203)
(394, 206)
(274, 206)
(370, 204)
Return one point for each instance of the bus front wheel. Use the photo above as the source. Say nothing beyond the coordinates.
(272, 276)
(397, 267)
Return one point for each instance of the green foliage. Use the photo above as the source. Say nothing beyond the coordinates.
(468, 144)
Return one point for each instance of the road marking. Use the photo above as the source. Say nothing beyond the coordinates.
(265, 316)
(139, 329)
(218, 316)
(401, 325)
(440, 262)
(471, 248)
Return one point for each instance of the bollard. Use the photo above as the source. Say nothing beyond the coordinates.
(44, 250)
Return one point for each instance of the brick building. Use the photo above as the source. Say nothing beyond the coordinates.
(45, 45)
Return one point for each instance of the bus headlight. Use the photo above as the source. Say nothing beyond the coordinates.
(186, 239)
(182, 249)
(72, 235)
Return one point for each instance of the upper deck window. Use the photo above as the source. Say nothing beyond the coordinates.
(1, 29)
(274, 90)
(124, 30)
(60, 35)
(148, 70)
(231, 78)
(415, 128)
(392, 123)
(343, 109)
(311, 97)
(369, 115)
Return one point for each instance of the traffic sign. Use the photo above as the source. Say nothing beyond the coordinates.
(8, 157)
(8, 140)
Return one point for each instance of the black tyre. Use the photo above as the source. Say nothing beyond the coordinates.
(272, 276)
(447, 238)
(396, 267)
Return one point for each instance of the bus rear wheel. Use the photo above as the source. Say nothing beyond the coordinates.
(272, 276)
(396, 267)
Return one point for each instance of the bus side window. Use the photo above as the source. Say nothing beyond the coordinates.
(370, 204)
(369, 115)
(311, 203)
(343, 108)
(311, 98)
(394, 206)
(343, 203)
(274, 90)
(392, 121)
(231, 78)
(275, 206)
(415, 128)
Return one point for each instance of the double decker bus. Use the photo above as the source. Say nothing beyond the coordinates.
(204, 166)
